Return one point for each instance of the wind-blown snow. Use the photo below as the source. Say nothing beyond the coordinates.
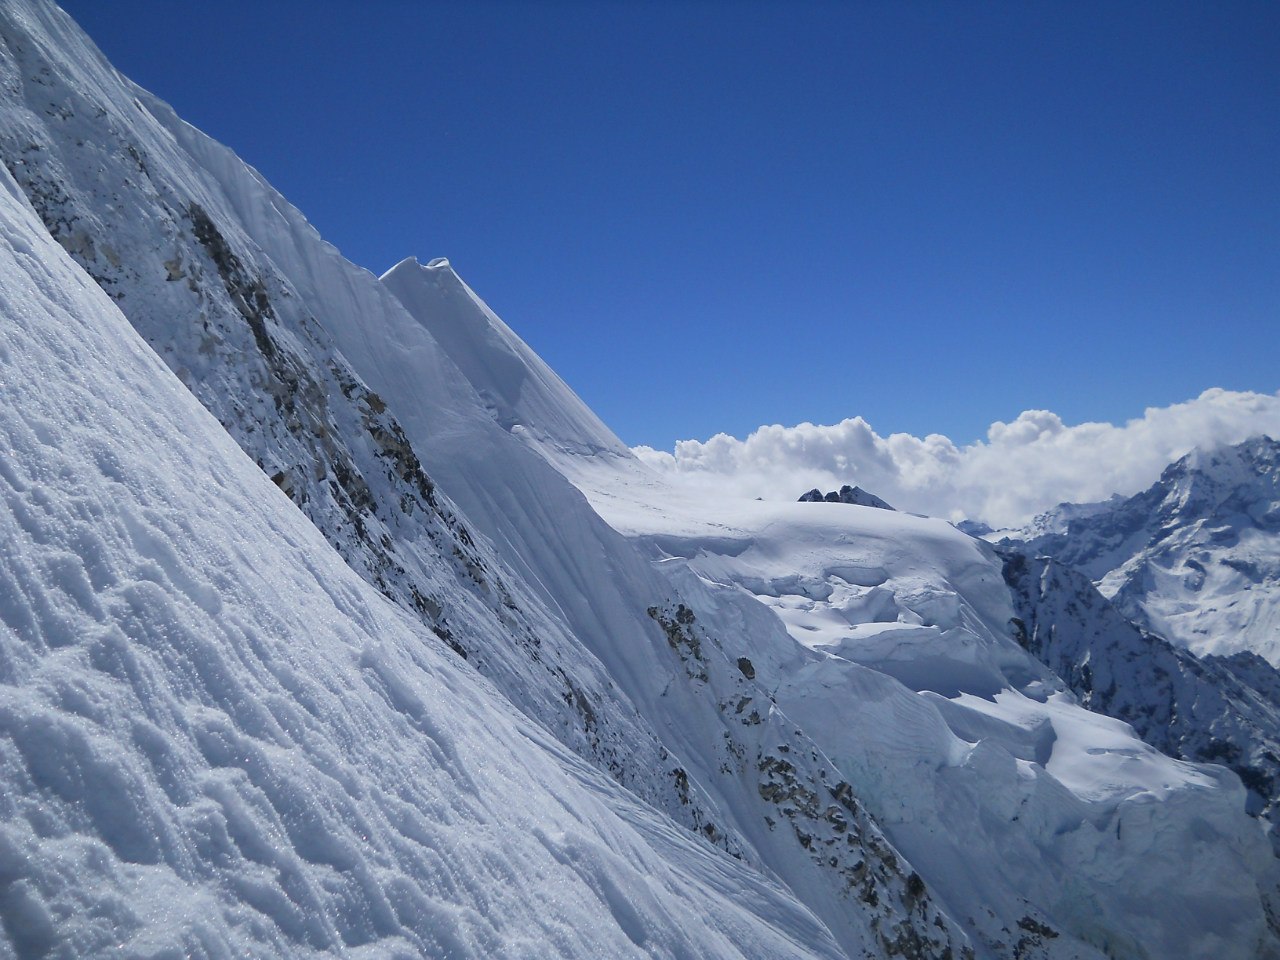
(283, 340)
(1020, 469)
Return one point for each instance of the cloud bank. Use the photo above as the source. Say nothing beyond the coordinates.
(1022, 468)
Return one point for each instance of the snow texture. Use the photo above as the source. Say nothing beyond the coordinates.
(216, 740)
(258, 317)
(903, 668)
(968, 751)
(314, 642)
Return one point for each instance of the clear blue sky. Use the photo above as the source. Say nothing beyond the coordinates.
(711, 216)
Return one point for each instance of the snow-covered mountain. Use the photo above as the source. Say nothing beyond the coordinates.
(892, 646)
(905, 668)
(1207, 709)
(313, 639)
(1194, 558)
(276, 335)
(217, 740)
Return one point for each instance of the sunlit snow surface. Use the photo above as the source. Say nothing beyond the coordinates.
(216, 740)
(992, 759)
(283, 342)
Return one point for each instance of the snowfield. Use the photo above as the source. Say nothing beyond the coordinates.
(333, 623)
(990, 759)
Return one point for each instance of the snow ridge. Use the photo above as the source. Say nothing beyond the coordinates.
(159, 229)
(216, 740)
(520, 391)
(345, 401)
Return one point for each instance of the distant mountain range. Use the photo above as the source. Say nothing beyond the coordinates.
(1194, 558)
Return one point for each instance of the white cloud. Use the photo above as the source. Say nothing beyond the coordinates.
(1023, 467)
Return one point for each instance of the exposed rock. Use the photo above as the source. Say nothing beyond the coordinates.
(846, 494)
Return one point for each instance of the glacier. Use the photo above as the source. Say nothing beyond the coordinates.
(335, 623)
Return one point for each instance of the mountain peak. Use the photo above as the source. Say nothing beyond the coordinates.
(519, 390)
(854, 496)
(1221, 480)
(1258, 455)
(411, 266)
(1192, 557)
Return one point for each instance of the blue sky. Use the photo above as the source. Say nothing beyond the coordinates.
(712, 216)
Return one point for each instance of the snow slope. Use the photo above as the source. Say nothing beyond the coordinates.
(520, 391)
(216, 740)
(527, 715)
(1211, 709)
(991, 761)
(238, 295)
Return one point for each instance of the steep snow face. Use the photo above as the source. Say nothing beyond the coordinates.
(351, 405)
(238, 295)
(665, 644)
(901, 668)
(1212, 709)
(432, 475)
(522, 393)
(1195, 558)
(216, 740)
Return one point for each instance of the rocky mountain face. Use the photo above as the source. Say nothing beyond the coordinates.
(1160, 609)
(1195, 558)
(846, 494)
